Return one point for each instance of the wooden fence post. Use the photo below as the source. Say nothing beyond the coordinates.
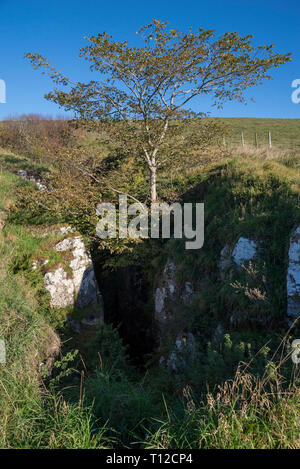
(270, 140)
(256, 141)
(243, 141)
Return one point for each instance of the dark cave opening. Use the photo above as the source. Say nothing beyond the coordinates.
(128, 307)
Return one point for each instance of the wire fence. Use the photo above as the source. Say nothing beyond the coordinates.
(262, 140)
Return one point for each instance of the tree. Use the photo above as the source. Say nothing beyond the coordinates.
(151, 87)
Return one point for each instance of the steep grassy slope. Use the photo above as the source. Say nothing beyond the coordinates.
(30, 416)
(285, 132)
(254, 195)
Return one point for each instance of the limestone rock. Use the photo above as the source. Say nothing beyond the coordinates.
(24, 175)
(232, 258)
(168, 296)
(165, 294)
(184, 350)
(60, 287)
(244, 251)
(74, 283)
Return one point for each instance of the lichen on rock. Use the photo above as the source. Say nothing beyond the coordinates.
(74, 283)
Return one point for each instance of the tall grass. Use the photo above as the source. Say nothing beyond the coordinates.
(30, 416)
(106, 403)
(246, 412)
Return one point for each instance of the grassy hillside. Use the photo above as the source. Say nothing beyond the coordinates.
(30, 415)
(107, 402)
(285, 132)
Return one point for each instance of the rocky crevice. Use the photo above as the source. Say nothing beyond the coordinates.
(127, 299)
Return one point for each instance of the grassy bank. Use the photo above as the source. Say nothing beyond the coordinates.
(96, 398)
(285, 133)
(30, 415)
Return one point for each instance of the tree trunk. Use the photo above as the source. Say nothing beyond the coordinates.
(153, 192)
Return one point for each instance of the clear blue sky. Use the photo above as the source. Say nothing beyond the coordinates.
(56, 29)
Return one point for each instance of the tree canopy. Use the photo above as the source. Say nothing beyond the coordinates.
(150, 86)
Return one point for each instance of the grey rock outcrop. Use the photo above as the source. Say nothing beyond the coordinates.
(232, 258)
(73, 283)
(293, 277)
(164, 295)
(169, 296)
(169, 292)
(37, 181)
(183, 350)
(244, 251)
(60, 287)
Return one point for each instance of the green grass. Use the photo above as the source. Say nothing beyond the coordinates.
(242, 416)
(285, 132)
(30, 416)
(7, 182)
(12, 162)
(96, 398)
